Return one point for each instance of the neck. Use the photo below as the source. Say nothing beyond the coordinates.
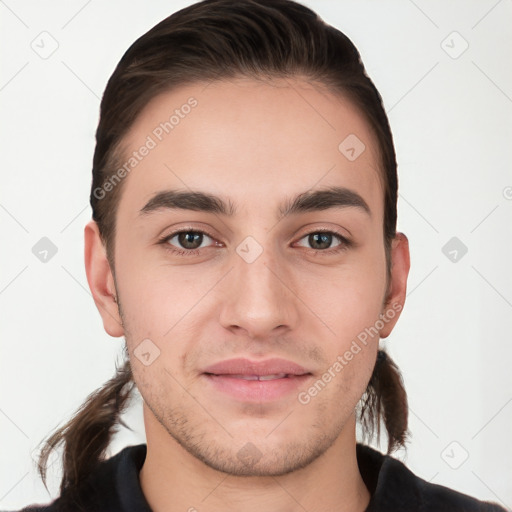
(174, 480)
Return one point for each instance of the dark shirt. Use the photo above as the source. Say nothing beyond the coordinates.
(115, 487)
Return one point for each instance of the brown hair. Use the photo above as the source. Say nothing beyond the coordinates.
(213, 40)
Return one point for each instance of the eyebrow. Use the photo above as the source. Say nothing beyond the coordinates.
(312, 200)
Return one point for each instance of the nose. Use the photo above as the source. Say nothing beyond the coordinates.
(259, 298)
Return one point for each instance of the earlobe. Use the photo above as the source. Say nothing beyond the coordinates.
(397, 288)
(101, 280)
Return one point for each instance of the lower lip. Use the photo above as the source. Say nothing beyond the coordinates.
(256, 390)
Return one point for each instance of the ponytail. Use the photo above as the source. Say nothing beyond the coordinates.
(87, 435)
(385, 400)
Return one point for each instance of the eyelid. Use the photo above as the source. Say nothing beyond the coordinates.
(332, 230)
(324, 230)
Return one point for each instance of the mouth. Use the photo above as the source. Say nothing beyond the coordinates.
(248, 381)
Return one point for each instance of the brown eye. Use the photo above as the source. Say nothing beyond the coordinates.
(186, 242)
(190, 239)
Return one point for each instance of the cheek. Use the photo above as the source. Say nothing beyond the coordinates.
(352, 299)
(154, 294)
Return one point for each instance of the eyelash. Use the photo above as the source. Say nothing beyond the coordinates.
(345, 243)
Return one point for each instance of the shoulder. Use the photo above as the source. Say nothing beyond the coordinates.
(113, 485)
(396, 488)
(50, 507)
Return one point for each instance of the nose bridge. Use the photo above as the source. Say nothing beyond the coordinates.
(258, 295)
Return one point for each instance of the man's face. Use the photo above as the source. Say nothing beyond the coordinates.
(254, 284)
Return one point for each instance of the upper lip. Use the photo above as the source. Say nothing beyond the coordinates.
(242, 366)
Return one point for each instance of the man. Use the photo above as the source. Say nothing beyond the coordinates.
(244, 243)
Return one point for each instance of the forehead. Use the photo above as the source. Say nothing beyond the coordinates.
(249, 141)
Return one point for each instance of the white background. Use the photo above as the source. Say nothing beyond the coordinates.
(451, 122)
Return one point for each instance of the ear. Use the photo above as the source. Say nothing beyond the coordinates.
(101, 281)
(397, 287)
